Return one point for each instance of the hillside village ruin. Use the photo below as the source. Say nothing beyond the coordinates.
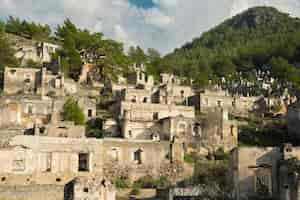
(150, 126)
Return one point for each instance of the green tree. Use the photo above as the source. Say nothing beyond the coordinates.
(137, 55)
(6, 51)
(28, 29)
(72, 112)
(284, 71)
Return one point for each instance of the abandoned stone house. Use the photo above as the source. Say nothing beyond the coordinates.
(137, 117)
(36, 51)
(30, 81)
(28, 110)
(238, 105)
(140, 77)
(266, 172)
(36, 81)
(175, 94)
(71, 157)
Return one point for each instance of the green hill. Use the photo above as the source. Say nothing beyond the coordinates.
(257, 38)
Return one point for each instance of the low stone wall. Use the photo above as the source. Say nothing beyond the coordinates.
(31, 192)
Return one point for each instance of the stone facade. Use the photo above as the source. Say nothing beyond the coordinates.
(21, 80)
(139, 117)
(27, 110)
(32, 81)
(141, 78)
(95, 188)
(36, 51)
(175, 94)
(31, 192)
(238, 105)
(34, 155)
(266, 172)
(60, 129)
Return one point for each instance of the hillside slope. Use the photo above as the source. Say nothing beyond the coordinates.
(246, 41)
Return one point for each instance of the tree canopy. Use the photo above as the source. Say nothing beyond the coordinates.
(26, 29)
(6, 52)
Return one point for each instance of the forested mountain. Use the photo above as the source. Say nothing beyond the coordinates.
(259, 38)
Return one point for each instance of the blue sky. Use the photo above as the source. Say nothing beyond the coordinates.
(146, 4)
(160, 24)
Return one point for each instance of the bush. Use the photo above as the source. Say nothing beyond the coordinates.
(145, 182)
(162, 182)
(221, 155)
(121, 183)
(149, 182)
(94, 129)
(190, 158)
(135, 190)
(72, 112)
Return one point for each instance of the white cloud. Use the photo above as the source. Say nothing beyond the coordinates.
(166, 3)
(157, 18)
(168, 25)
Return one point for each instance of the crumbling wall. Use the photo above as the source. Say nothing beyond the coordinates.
(31, 192)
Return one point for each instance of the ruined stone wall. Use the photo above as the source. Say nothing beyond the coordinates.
(137, 95)
(150, 112)
(7, 134)
(137, 129)
(31, 192)
(88, 106)
(246, 160)
(18, 80)
(175, 94)
(208, 101)
(62, 129)
(59, 155)
(153, 155)
(10, 114)
(236, 105)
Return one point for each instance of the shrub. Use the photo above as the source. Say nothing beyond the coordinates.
(190, 158)
(162, 182)
(121, 183)
(145, 182)
(135, 189)
(221, 155)
(72, 112)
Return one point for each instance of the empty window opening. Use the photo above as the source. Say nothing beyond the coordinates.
(133, 100)
(234, 103)
(141, 76)
(130, 133)
(145, 100)
(137, 156)
(114, 154)
(86, 190)
(219, 103)
(90, 112)
(182, 93)
(155, 116)
(30, 109)
(83, 164)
